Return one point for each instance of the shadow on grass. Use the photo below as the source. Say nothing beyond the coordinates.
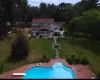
(86, 44)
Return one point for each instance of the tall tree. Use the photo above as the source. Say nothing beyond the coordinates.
(7, 15)
(62, 5)
(68, 12)
(85, 5)
(43, 9)
(58, 15)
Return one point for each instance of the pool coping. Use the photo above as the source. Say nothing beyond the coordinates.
(85, 72)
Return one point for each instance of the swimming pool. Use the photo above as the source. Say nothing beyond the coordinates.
(57, 71)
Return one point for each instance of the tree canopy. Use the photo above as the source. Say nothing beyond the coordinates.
(18, 10)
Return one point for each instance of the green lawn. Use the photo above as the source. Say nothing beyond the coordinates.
(37, 48)
(76, 45)
(40, 46)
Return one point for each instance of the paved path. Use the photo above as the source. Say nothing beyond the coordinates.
(57, 52)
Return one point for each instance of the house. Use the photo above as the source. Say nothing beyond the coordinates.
(44, 26)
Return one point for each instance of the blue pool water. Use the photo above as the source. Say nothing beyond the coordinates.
(57, 71)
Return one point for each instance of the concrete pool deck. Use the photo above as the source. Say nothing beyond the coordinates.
(85, 71)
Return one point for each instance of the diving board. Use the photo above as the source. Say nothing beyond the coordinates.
(19, 74)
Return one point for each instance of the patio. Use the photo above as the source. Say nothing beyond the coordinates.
(85, 71)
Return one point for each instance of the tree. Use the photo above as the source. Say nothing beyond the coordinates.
(23, 4)
(7, 14)
(57, 14)
(32, 12)
(92, 4)
(88, 23)
(84, 5)
(62, 6)
(68, 12)
(43, 9)
(51, 8)
(20, 48)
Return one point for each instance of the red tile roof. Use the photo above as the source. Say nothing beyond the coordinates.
(58, 24)
(43, 20)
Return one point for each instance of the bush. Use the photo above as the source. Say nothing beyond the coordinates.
(45, 58)
(20, 48)
(77, 60)
(41, 36)
(74, 59)
(56, 46)
(48, 59)
(69, 60)
(1, 68)
(84, 61)
(73, 56)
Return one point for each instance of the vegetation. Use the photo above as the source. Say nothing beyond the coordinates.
(1, 67)
(88, 24)
(75, 59)
(36, 50)
(56, 46)
(37, 61)
(74, 45)
(69, 60)
(9, 13)
(20, 48)
(20, 11)
(45, 58)
(82, 32)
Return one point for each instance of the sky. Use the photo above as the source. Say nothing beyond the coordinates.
(56, 2)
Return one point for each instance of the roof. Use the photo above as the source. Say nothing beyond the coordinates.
(58, 24)
(43, 20)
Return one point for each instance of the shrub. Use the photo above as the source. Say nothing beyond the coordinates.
(20, 48)
(45, 58)
(61, 29)
(74, 59)
(73, 56)
(48, 59)
(77, 60)
(56, 46)
(1, 68)
(84, 61)
(41, 36)
(69, 60)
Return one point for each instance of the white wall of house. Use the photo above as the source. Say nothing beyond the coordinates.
(53, 27)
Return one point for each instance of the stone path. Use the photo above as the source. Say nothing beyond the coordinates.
(57, 52)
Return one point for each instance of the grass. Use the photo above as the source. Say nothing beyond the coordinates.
(75, 45)
(40, 46)
(37, 48)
